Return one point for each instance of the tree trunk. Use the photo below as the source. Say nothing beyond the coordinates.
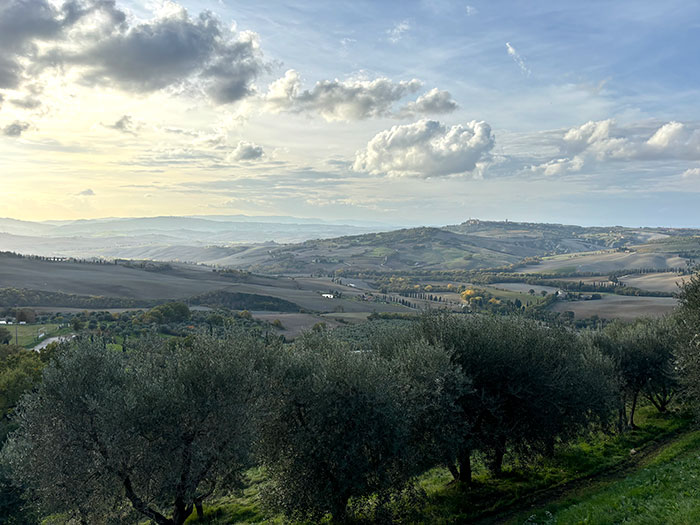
(181, 513)
(340, 513)
(622, 416)
(632, 409)
(200, 508)
(497, 460)
(465, 466)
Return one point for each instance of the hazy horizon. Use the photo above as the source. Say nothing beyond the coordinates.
(399, 113)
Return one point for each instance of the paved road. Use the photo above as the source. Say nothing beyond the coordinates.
(47, 342)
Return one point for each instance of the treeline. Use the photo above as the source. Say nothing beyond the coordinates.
(341, 429)
(412, 283)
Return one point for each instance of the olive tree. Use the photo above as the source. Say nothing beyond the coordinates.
(344, 424)
(644, 357)
(155, 430)
(532, 385)
(688, 316)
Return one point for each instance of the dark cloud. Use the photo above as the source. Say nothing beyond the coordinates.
(23, 23)
(151, 56)
(15, 129)
(87, 193)
(336, 99)
(174, 50)
(26, 102)
(10, 72)
(125, 124)
(434, 102)
(355, 99)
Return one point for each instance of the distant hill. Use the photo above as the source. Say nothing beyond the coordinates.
(471, 245)
(305, 248)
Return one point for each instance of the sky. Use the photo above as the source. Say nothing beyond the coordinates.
(402, 112)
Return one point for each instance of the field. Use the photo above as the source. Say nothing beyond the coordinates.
(607, 261)
(618, 307)
(656, 282)
(27, 335)
(524, 287)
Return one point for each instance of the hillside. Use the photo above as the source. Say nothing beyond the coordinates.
(476, 245)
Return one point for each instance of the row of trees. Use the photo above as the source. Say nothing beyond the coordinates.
(156, 430)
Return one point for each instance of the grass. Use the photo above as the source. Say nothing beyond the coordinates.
(589, 462)
(665, 491)
(27, 333)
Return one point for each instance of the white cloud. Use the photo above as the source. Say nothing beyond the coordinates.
(518, 59)
(691, 172)
(246, 151)
(396, 33)
(604, 141)
(471, 10)
(426, 148)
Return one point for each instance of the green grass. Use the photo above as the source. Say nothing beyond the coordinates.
(585, 459)
(27, 334)
(665, 491)
(512, 295)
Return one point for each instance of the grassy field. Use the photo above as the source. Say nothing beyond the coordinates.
(605, 262)
(600, 467)
(618, 307)
(656, 282)
(27, 334)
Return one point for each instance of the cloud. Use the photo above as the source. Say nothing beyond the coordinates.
(604, 141)
(246, 151)
(396, 33)
(338, 100)
(434, 102)
(15, 129)
(471, 10)
(691, 172)
(518, 59)
(87, 193)
(24, 23)
(426, 148)
(93, 37)
(125, 124)
(26, 102)
(354, 99)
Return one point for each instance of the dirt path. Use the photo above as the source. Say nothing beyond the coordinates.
(541, 498)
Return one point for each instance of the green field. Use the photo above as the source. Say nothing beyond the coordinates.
(27, 335)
